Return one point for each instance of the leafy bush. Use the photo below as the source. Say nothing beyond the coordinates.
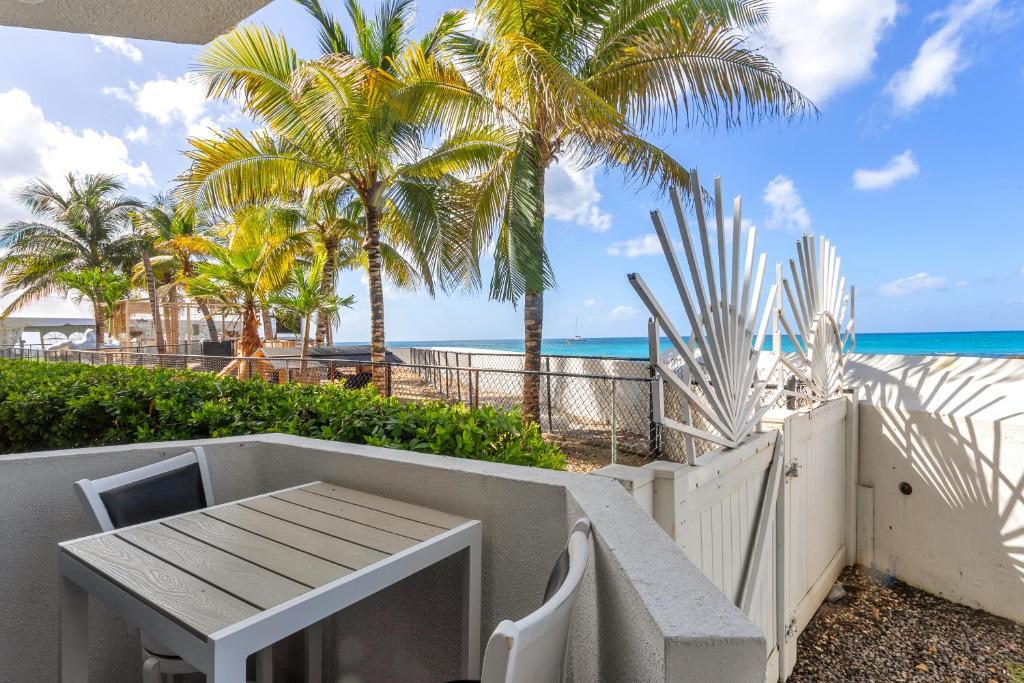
(49, 406)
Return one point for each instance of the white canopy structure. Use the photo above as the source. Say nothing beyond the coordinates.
(49, 314)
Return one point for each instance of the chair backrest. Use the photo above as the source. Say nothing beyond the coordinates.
(533, 649)
(169, 487)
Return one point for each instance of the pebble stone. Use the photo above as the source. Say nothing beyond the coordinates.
(884, 630)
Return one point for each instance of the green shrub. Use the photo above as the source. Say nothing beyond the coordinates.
(50, 406)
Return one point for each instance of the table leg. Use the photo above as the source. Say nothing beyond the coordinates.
(265, 665)
(314, 653)
(227, 669)
(74, 632)
(471, 611)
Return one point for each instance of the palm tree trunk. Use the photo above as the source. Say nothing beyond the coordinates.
(305, 344)
(154, 303)
(171, 317)
(250, 340)
(371, 244)
(326, 288)
(533, 318)
(268, 329)
(211, 325)
(99, 319)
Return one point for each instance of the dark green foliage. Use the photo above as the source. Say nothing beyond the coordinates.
(49, 406)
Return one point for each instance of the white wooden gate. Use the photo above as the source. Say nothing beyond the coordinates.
(787, 530)
(813, 504)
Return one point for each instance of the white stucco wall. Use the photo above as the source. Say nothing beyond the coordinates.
(953, 429)
(645, 613)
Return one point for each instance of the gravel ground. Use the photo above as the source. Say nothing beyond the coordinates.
(887, 631)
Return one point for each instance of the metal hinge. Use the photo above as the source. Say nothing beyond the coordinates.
(793, 469)
(791, 628)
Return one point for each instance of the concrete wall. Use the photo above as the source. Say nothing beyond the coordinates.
(645, 612)
(952, 429)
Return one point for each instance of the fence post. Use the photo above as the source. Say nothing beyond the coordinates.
(547, 365)
(656, 406)
(458, 378)
(387, 379)
(447, 377)
(615, 445)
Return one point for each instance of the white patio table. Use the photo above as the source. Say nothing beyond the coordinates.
(222, 583)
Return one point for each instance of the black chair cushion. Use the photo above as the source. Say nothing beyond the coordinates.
(162, 495)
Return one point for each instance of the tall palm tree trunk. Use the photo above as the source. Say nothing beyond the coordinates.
(533, 317)
(371, 245)
(171, 318)
(326, 288)
(211, 325)
(154, 302)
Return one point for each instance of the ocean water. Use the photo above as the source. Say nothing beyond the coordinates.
(991, 344)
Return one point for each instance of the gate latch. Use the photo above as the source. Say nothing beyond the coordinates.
(793, 469)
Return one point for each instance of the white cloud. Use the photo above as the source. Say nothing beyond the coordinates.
(571, 195)
(623, 313)
(118, 46)
(940, 57)
(590, 303)
(31, 146)
(180, 101)
(824, 46)
(913, 283)
(645, 245)
(899, 167)
(137, 134)
(787, 208)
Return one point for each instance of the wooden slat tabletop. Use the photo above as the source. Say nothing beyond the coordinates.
(215, 567)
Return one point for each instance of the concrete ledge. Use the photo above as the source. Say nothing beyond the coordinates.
(645, 612)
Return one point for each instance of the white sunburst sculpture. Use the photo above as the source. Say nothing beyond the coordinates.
(721, 296)
(819, 319)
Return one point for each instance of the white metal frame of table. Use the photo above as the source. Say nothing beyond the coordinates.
(221, 652)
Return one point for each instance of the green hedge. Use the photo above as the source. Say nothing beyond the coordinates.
(48, 406)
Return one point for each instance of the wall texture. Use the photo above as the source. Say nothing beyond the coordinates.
(953, 429)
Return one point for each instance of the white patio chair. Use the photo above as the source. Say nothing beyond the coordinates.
(533, 649)
(169, 487)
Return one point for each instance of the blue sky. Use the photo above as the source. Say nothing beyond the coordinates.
(912, 169)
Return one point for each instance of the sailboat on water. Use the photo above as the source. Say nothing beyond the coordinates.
(576, 336)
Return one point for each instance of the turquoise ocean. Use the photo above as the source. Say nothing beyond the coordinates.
(990, 344)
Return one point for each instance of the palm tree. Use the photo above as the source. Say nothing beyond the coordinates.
(582, 82)
(304, 296)
(84, 228)
(343, 130)
(104, 289)
(171, 239)
(242, 277)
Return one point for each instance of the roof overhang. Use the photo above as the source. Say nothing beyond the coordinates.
(175, 21)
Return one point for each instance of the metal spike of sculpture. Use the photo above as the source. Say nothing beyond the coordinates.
(720, 378)
(819, 321)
